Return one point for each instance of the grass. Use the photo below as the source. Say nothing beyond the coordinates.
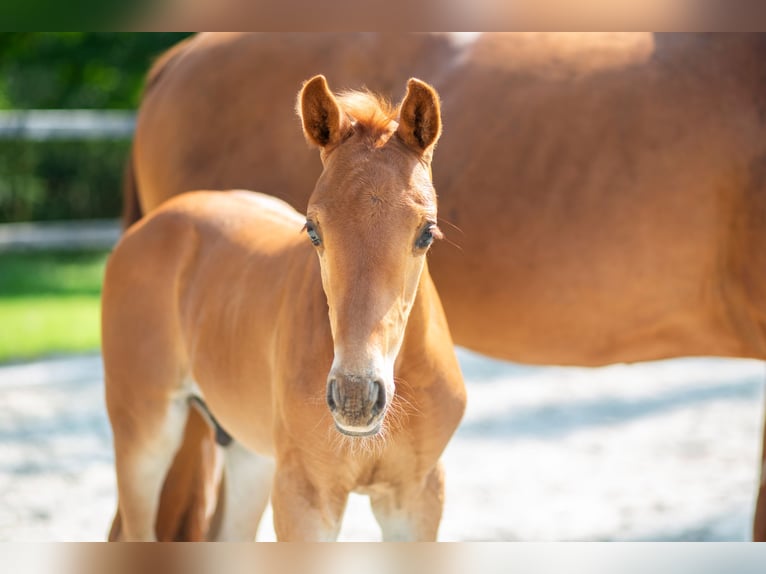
(49, 303)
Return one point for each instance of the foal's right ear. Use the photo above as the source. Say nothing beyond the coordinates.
(324, 123)
(420, 123)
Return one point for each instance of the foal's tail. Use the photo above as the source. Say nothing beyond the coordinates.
(131, 206)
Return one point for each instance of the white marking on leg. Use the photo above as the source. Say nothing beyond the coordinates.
(247, 485)
(396, 527)
(146, 474)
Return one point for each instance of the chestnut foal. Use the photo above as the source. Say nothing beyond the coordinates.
(326, 355)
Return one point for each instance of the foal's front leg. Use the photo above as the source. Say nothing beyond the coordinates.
(303, 510)
(412, 512)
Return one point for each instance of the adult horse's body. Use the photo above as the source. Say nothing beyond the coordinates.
(220, 296)
(609, 190)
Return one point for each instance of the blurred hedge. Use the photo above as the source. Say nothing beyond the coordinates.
(96, 70)
(50, 180)
(59, 70)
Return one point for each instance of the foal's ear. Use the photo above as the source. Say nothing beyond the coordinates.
(324, 123)
(420, 123)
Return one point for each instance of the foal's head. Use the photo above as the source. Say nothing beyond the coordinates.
(372, 218)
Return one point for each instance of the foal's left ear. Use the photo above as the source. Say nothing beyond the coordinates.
(324, 123)
(420, 123)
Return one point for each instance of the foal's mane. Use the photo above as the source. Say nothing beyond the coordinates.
(373, 113)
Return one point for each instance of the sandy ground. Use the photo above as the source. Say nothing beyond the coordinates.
(656, 451)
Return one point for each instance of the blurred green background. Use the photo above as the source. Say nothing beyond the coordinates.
(45, 180)
(65, 70)
(49, 300)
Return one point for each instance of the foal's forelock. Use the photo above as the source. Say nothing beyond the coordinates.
(370, 114)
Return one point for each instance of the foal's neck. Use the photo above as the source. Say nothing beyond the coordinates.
(426, 325)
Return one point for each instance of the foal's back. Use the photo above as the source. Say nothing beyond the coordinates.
(214, 273)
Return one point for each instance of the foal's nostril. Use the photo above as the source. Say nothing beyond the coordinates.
(379, 396)
(332, 395)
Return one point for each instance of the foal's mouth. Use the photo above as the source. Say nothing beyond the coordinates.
(348, 432)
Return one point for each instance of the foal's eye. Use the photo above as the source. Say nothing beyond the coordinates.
(313, 235)
(427, 236)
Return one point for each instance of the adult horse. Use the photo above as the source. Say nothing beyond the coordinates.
(219, 296)
(609, 191)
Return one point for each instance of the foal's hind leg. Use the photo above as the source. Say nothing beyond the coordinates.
(145, 441)
(247, 481)
(411, 513)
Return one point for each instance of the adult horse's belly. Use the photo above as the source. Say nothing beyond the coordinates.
(595, 268)
(629, 271)
(580, 312)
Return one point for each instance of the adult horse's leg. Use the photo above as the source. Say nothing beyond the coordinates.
(411, 514)
(145, 444)
(247, 480)
(191, 485)
(759, 522)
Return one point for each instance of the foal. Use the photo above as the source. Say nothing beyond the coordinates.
(325, 355)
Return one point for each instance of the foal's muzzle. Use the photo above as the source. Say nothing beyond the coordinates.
(357, 404)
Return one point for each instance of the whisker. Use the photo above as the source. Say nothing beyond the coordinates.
(317, 398)
(409, 406)
(395, 419)
(399, 397)
(320, 421)
(450, 242)
(402, 382)
(440, 219)
(357, 446)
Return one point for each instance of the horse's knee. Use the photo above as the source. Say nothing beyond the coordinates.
(414, 512)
